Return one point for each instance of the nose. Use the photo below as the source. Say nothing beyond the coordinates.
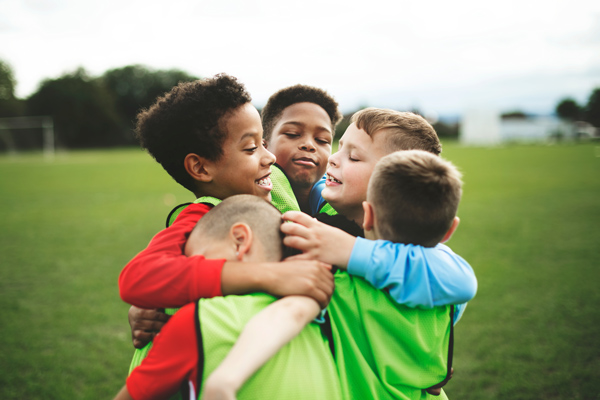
(268, 158)
(308, 145)
(333, 160)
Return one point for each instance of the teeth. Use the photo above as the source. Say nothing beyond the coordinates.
(332, 179)
(264, 181)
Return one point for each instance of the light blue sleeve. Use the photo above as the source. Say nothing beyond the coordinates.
(315, 199)
(415, 276)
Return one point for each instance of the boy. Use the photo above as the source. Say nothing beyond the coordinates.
(242, 228)
(299, 125)
(208, 137)
(363, 354)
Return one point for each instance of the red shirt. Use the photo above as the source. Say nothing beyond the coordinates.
(172, 364)
(162, 276)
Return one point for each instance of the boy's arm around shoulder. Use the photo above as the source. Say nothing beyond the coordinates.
(263, 336)
(414, 275)
(162, 276)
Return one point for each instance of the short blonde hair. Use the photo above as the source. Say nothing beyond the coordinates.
(415, 196)
(260, 215)
(403, 130)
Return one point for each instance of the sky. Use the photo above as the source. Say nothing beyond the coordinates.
(441, 57)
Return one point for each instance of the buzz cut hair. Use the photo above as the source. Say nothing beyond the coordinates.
(261, 216)
(190, 118)
(282, 99)
(415, 197)
(403, 130)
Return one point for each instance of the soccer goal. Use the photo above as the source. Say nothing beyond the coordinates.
(45, 123)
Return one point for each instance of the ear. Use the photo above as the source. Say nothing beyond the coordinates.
(369, 217)
(453, 227)
(242, 237)
(196, 166)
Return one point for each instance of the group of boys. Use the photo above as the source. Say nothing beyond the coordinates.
(256, 326)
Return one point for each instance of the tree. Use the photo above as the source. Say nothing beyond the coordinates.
(83, 111)
(569, 109)
(10, 106)
(135, 87)
(592, 109)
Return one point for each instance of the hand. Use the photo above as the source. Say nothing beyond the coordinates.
(316, 240)
(215, 390)
(145, 324)
(301, 277)
(436, 390)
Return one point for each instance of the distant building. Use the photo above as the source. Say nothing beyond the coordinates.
(485, 127)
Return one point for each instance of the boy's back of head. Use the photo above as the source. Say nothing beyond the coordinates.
(262, 218)
(188, 119)
(288, 96)
(403, 130)
(415, 196)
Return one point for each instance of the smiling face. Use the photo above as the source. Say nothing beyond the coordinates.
(245, 165)
(350, 169)
(301, 141)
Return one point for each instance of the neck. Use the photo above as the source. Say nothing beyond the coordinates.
(302, 194)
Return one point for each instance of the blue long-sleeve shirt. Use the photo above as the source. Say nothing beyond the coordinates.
(416, 276)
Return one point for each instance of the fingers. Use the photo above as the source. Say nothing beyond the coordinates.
(141, 338)
(296, 230)
(297, 242)
(299, 218)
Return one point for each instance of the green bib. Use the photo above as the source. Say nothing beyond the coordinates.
(385, 350)
(282, 195)
(303, 369)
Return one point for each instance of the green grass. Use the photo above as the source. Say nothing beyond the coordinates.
(530, 222)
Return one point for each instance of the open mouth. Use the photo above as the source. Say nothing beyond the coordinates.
(265, 182)
(331, 179)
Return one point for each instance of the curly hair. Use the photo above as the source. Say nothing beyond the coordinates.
(189, 119)
(288, 96)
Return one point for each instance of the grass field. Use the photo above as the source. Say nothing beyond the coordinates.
(530, 224)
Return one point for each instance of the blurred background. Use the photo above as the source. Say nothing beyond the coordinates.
(512, 88)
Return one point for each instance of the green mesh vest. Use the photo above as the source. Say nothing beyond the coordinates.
(303, 369)
(282, 195)
(384, 350)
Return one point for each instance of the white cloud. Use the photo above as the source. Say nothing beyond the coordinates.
(433, 52)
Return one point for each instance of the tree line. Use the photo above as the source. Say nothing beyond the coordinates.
(100, 111)
(90, 111)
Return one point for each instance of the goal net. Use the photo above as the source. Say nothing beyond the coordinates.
(27, 133)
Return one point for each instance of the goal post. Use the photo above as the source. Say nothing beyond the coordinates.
(46, 123)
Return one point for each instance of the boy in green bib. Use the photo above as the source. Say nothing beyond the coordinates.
(243, 229)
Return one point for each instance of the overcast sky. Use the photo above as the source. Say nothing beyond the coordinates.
(438, 56)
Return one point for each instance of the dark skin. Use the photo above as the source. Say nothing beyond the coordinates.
(145, 324)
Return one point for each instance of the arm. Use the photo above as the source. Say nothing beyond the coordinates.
(162, 276)
(414, 275)
(263, 336)
(172, 361)
(123, 394)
